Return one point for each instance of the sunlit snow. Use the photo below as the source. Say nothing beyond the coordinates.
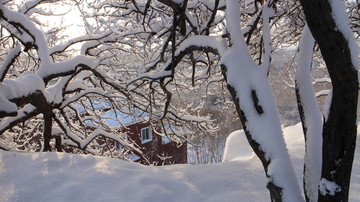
(67, 177)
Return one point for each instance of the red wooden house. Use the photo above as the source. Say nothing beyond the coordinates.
(158, 149)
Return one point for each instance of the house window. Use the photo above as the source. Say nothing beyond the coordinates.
(146, 135)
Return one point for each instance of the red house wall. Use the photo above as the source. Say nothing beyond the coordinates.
(154, 149)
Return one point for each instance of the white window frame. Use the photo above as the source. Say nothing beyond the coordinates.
(143, 141)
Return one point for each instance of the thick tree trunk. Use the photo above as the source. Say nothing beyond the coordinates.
(339, 130)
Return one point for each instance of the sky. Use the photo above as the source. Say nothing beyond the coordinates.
(66, 16)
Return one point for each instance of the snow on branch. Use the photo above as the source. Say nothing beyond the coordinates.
(10, 59)
(23, 114)
(322, 93)
(310, 115)
(21, 21)
(52, 70)
(60, 48)
(29, 5)
(15, 89)
(212, 44)
(23, 37)
(342, 21)
(233, 23)
(322, 80)
(267, 13)
(327, 187)
(47, 70)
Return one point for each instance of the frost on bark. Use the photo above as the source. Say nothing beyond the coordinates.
(339, 129)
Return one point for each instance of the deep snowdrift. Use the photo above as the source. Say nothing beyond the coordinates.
(67, 177)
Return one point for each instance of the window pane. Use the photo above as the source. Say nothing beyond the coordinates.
(145, 134)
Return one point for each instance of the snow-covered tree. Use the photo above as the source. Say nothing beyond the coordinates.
(47, 88)
(146, 56)
(239, 37)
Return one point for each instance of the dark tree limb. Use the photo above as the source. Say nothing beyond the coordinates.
(212, 18)
(58, 143)
(41, 103)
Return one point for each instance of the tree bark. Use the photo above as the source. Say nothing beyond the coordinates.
(339, 129)
(58, 143)
(40, 102)
(47, 131)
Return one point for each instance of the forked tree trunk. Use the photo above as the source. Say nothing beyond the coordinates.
(339, 129)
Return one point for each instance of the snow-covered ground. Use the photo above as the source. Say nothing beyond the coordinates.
(67, 177)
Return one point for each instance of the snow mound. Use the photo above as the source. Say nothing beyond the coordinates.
(237, 147)
(61, 177)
